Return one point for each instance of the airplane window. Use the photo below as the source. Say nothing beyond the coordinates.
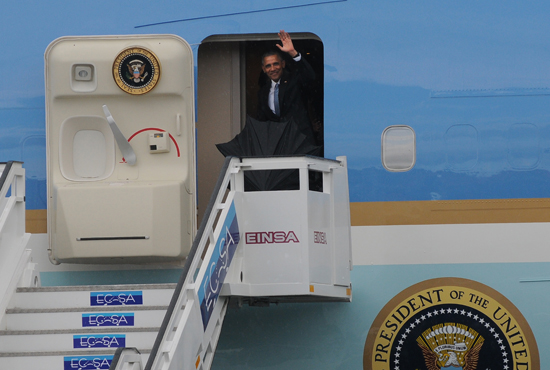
(461, 146)
(523, 146)
(398, 148)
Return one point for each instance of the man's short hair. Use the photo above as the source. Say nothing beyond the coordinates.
(270, 53)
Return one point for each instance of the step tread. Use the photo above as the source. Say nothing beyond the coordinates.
(67, 353)
(83, 288)
(85, 309)
(100, 330)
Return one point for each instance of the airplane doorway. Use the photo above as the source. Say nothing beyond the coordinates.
(229, 76)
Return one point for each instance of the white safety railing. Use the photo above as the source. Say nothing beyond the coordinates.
(192, 325)
(14, 258)
(297, 244)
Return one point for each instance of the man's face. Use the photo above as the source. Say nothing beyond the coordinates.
(273, 66)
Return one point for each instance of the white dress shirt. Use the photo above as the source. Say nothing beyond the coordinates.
(271, 98)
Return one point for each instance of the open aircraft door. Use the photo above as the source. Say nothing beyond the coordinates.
(120, 148)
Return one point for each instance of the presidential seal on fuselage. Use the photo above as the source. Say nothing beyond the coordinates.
(450, 323)
(136, 70)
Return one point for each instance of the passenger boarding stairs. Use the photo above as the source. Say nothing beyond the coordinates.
(80, 327)
(304, 255)
(72, 327)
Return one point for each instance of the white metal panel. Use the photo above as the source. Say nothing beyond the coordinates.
(293, 242)
(81, 77)
(430, 244)
(272, 230)
(144, 219)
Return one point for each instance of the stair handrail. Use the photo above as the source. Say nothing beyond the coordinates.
(13, 240)
(5, 170)
(192, 263)
(127, 358)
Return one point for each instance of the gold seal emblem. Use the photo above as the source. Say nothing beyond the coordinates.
(136, 70)
(450, 323)
(450, 344)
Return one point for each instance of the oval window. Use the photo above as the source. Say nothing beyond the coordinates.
(398, 148)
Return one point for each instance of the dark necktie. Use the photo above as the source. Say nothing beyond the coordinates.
(276, 100)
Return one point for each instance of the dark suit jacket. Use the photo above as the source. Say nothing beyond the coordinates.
(291, 98)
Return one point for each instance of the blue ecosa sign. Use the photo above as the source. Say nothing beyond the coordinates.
(218, 265)
(107, 319)
(99, 341)
(99, 362)
(116, 298)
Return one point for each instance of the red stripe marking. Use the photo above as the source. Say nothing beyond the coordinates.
(157, 129)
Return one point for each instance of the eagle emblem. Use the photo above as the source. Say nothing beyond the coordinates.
(450, 346)
(136, 69)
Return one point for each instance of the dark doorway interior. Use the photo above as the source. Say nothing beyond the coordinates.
(229, 75)
(312, 50)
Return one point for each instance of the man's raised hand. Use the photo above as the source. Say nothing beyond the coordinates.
(288, 46)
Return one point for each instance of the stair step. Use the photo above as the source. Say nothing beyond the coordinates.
(80, 327)
(87, 352)
(76, 288)
(77, 331)
(83, 309)
(61, 361)
(93, 295)
(72, 318)
(73, 339)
